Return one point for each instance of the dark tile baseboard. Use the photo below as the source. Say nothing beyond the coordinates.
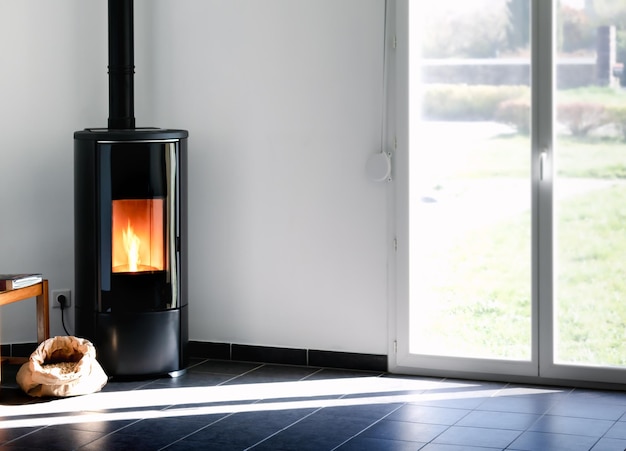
(348, 360)
(288, 356)
(248, 353)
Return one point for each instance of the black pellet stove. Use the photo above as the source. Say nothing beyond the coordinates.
(130, 208)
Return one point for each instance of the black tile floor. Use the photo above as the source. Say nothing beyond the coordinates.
(225, 405)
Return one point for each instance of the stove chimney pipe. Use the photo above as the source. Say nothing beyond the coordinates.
(121, 65)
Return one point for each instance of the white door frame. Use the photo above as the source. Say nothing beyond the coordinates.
(541, 367)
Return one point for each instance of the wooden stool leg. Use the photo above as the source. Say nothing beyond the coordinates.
(43, 314)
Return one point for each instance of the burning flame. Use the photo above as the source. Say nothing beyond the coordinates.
(137, 235)
(131, 243)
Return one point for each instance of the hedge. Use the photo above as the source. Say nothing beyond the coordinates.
(455, 102)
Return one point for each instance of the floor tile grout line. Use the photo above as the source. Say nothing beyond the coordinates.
(477, 409)
(197, 430)
(519, 434)
(233, 413)
(559, 433)
(595, 443)
(606, 432)
(293, 423)
(306, 416)
(256, 401)
(221, 418)
(368, 427)
(201, 362)
(553, 405)
(8, 442)
(124, 427)
(507, 385)
(284, 428)
(320, 369)
(235, 377)
(112, 432)
(448, 426)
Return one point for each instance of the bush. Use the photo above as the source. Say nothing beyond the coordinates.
(515, 112)
(582, 117)
(617, 115)
(467, 102)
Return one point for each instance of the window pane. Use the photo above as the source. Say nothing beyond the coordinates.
(590, 193)
(470, 190)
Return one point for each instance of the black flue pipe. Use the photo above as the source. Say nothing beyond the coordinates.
(121, 65)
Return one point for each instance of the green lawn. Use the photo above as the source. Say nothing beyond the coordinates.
(593, 94)
(483, 293)
(509, 156)
(592, 277)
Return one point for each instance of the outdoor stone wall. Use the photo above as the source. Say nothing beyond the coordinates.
(571, 74)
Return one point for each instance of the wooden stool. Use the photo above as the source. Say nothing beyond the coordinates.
(40, 291)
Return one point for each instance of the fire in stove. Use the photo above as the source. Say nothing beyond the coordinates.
(137, 235)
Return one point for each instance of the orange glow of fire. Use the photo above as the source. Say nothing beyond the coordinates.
(131, 243)
(137, 235)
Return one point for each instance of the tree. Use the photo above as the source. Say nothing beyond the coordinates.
(464, 30)
(576, 32)
(608, 12)
(518, 32)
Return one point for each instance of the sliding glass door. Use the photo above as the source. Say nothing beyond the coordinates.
(509, 172)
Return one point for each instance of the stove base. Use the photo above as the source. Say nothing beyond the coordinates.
(141, 343)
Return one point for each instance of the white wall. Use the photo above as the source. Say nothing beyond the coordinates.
(282, 100)
(52, 82)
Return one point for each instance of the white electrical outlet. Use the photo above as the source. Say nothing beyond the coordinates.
(54, 300)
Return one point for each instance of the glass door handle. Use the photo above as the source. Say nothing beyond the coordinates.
(544, 171)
